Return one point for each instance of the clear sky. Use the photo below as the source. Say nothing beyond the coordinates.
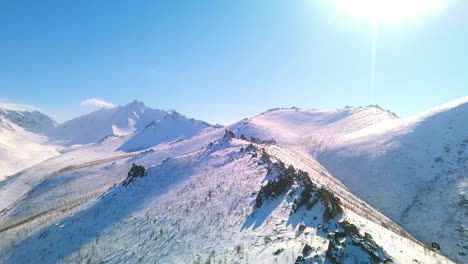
(224, 60)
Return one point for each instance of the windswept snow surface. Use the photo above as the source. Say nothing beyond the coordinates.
(311, 130)
(21, 142)
(196, 204)
(414, 170)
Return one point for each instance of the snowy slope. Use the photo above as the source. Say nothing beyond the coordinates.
(21, 142)
(416, 171)
(28, 136)
(118, 121)
(311, 129)
(412, 169)
(30, 120)
(199, 199)
(172, 127)
(197, 203)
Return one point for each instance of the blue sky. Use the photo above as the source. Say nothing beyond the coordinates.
(222, 61)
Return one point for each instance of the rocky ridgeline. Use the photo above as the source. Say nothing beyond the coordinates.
(347, 238)
(283, 178)
(345, 242)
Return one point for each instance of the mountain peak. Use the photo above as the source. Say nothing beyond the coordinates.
(29, 119)
(135, 104)
(17, 107)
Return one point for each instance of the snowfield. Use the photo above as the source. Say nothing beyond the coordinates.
(353, 185)
(413, 169)
(22, 140)
(188, 208)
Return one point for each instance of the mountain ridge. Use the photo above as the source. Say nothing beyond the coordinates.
(397, 165)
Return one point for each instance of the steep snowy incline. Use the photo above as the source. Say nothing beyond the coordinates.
(172, 127)
(21, 142)
(118, 121)
(231, 201)
(412, 169)
(415, 170)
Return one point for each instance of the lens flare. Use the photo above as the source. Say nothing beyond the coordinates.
(389, 11)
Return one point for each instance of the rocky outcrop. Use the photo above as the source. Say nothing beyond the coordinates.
(282, 179)
(348, 239)
(135, 172)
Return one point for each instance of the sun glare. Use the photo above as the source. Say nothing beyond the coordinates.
(389, 11)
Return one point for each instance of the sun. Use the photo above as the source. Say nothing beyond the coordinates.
(389, 11)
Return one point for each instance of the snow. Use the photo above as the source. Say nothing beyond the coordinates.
(412, 169)
(21, 144)
(311, 129)
(93, 127)
(172, 127)
(197, 200)
(195, 203)
(17, 107)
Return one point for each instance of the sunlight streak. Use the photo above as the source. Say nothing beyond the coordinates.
(375, 32)
(390, 11)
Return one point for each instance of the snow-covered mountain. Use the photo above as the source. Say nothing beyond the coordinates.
(414, 170)
(172, 127)
(208, 199)
(28, 119)
(286, 186)
(118, 121)
(22, 138)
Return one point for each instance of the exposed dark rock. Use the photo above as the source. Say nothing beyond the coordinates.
(274, 188)
(306, 250)
(300, 260)
(307, 193)
(279, 251)
(302, 227)
(135, 172)
(251, 148)
(229, 134)
(369, 246)
(259, 141)
(349, 229)
(435, 245)
(348, 236)
(336, 253)
(344, 237)
(331, 202)
(286, 178)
